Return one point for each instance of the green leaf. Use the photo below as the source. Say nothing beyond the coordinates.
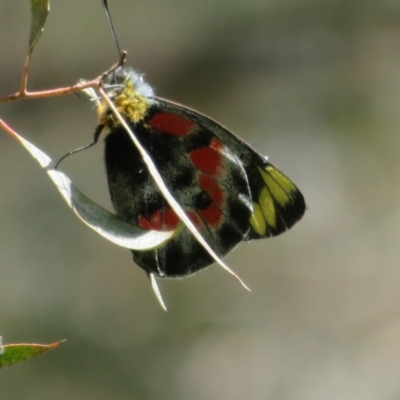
(39, 11)
(13, 353)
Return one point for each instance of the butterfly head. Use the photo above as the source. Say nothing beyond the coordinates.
(130, 94)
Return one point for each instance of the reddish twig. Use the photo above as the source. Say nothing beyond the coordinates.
(24, 94)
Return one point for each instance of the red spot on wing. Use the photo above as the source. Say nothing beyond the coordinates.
(171, 123)
(206, 160)
(212, 215)
(167, 220)
(144, 223)
(216, 144)
(161, 220)
(194, 218)
(171, 220)
(212, 188)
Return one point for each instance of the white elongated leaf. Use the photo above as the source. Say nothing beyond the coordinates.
(156, 291)
(102, 221)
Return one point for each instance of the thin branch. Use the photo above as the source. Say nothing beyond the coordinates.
(23, 94)
(7, 128)
(24, 77)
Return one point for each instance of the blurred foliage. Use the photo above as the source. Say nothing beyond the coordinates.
(313, 84)
(15, 353)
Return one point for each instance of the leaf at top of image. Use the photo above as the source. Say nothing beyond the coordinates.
(39, 11)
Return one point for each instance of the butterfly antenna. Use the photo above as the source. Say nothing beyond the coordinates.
(107, 11)
(96, 139)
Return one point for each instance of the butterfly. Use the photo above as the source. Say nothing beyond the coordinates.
(228, 191)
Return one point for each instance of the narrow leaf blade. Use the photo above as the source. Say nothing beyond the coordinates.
(39, 11)
(14, 353)
(97, 218)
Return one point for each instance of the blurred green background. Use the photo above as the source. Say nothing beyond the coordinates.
(315, 85)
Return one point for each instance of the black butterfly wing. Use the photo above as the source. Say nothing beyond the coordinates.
(229, 191)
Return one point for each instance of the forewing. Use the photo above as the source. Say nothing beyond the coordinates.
(275, 202)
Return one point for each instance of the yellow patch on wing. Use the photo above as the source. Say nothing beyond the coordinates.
(276, 194)
(277, 183)
(268, 207)
(257, 220)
